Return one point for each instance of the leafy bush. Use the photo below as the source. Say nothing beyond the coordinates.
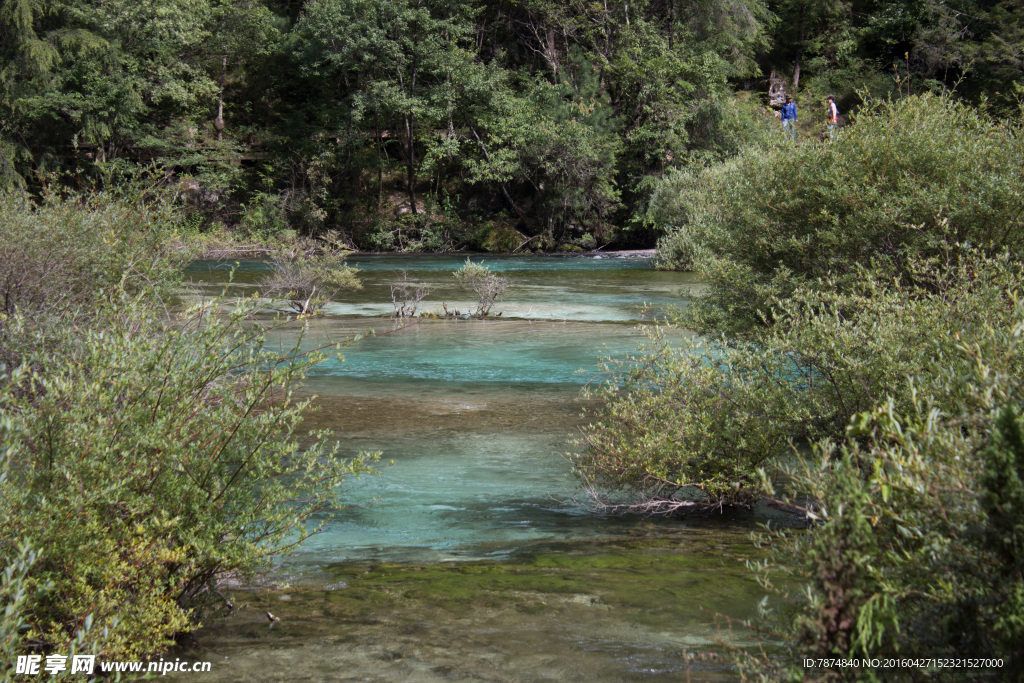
(145, 456)
(684, 426)
(912, 178)
(488, 286)
(871, 291)
(265, 215)
(917, 539)
(307, 282)
(414, 233)
(149, 461)
(676, 251)
(55, 257)
(14, 597)
(679, 199)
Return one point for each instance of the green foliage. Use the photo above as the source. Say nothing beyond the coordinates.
(547, 112)
(105, 243)
(870, 289)
(263, 216)
(151, 460)
(1003, 485)
(307, 282)
(996, 608)
(672, 435)
(89, 79)
(676, 251)
(576, 147)
(487, 286)
(892, 46)
(679, 199)
(15, 596)
(434, 229)
(911, 179)
(397, 56)
(565, 115)
(841, 272)
(974, 44)
(12, 156)
(147, 455)
(686, 424)
(909, 549)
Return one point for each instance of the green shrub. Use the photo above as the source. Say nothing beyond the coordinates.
(487, 286)
(917, 538)
(149, 461)
(264, 216)
(436, 230)
(307, 282)
(56, 256)
(146, 455)
(679, 199)
(14, 598)
(685, 425)
(871, 293)
(910, 179)
(677, 250)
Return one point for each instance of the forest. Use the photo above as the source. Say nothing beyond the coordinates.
(420, 125)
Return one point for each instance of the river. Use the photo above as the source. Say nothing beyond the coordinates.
(474, 556)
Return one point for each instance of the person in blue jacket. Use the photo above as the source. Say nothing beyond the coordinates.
(789, 118)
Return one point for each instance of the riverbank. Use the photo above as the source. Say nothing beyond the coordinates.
(225, 245)
(224, 251)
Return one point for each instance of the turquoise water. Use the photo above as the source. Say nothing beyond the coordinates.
(477, 415)
(577, 288)
(475, 554)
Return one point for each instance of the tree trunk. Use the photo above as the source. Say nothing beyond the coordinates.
(412, 163)
(380, 165)
(218, 122)
(799, 54)
(348, 148)
(411, 124)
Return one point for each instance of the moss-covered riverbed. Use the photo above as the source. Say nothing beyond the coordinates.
(652, 606)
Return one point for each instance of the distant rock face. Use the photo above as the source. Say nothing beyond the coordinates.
(776, 91)
(195, 193)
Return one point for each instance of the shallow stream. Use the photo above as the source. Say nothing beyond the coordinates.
(472, 557)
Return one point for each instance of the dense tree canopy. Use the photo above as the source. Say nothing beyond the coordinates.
(544, 119)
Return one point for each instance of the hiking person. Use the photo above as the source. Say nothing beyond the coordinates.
(832, 116)
(789, 118)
